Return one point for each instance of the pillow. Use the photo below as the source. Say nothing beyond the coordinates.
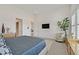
(4, 50)
(2, 42)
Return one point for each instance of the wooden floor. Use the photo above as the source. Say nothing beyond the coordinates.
(57, 49)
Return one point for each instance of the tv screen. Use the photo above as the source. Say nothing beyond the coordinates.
(45, 26)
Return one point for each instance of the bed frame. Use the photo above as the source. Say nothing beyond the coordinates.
(46, 49)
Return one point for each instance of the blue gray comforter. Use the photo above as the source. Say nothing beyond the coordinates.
(26, 45)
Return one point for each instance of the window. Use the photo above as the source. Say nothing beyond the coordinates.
(78, 23)
(75, 24)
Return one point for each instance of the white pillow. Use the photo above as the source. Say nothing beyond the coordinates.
(4, 50)
(2, 42)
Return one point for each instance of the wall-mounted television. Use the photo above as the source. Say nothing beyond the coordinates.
(45, 26)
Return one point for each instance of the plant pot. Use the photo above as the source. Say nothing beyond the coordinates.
(60, 41)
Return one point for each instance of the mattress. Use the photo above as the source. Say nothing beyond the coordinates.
(25, 45)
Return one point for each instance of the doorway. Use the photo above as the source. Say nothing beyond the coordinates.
(18, 27)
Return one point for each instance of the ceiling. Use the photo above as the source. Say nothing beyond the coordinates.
(35, 8)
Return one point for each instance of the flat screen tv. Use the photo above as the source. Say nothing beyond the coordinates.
(45, 26)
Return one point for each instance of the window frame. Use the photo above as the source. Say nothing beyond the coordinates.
(75, 25)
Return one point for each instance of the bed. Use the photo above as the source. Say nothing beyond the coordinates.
(26, 45)
(48, 42)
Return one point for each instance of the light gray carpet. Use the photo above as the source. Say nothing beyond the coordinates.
(57, 49)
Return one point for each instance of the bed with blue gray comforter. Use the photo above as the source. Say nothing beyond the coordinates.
(25, 45)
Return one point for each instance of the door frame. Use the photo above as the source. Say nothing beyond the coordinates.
(19, 31)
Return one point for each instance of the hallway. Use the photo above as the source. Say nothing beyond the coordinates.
(57, 49)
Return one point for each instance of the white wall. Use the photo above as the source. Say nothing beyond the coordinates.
(52, 18)
(39, 14)
(73, 8)
(8, 15)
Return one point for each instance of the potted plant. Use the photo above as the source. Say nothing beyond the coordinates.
(64, 25)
